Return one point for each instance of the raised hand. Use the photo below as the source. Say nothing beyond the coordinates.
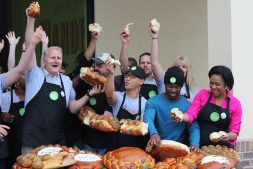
(124, 37)
(12, 38)
(96, 90)
(37, 35)
(44, 39)
(154, 35)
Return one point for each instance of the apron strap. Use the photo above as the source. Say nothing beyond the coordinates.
(139, 111)
(123, 101)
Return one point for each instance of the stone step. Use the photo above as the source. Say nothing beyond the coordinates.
(244, 163)
(246, 155)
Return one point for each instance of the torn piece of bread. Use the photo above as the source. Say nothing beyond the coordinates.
(133, 127)
(215, 136)
(95, 27)
(178, 113)
(155, 25)
(127, 31)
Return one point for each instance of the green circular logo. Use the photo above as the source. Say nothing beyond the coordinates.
(54, 95)
(21, 111)
(214, 116)
(133, 68)
(173, 80)
(151, 93)
(92, 101)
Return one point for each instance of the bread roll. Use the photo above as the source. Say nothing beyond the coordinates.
(215, 136)
(177, 113)
(91, 77)
(128, 157)
(169, 148)
(127, 31)
(95, 27)
(34, 11)
(133, 127)
(155, 26)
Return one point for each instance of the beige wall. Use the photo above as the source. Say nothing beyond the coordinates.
(210, 32)
(183, 30)
(242, 60)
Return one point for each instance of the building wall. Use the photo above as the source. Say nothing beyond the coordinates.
(183, 30)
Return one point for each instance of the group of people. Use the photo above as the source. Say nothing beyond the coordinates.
(41, 107)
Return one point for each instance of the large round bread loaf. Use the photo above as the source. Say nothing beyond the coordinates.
(128, 157)
(216, 162)
(169, 148)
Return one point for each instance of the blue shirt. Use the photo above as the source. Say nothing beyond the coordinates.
(157, 115)
(35, 78)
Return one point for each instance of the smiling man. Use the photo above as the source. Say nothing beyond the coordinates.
(157, 112)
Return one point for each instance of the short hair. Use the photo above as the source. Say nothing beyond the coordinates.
(52, 47)
(143, 54)
(225, 73)
(132, 62)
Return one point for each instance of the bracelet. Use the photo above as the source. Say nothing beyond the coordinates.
(155, 38)
(88, 94)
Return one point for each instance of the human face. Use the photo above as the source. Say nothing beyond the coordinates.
(101, 69)
(217, 85)
(53, 61)
(132, 82)
(182, 66)
(145, 64)
(173, 91)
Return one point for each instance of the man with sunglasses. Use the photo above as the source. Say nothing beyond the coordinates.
(127, 105)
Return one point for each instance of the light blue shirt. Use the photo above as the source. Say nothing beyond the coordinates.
(2, 85)
(6, 100)
(35, 78)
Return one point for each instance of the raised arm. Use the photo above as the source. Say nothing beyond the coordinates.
(29, 25)
(156, 66)
(124, 37)
(1, 45)
(44, 42)
(92, 46)
(13, 41)
(109, 87)
(25, 59)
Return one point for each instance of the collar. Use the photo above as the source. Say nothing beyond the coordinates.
(228, 95)
(48, 74)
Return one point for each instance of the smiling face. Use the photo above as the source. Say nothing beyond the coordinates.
(172, 91)
(217, 85)
(145, 64)
(53, 61)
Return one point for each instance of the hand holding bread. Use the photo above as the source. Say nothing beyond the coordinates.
(176, 115)
(218, 136)
(95, 27)
(33, 10)
(91, 77)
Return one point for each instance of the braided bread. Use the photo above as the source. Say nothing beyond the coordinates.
(133, 127)
(102, 123)
(128, 157)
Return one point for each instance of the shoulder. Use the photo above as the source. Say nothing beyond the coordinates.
(233, 100)
(156, 98)
(66, 78)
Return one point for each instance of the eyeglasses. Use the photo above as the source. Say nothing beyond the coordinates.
(130, 76)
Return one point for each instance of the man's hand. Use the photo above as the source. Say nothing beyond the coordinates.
(124, 37)
(7, 117)
(155, 140)
(96, 90)
(3, 131)
(12, 38)
(194, 148)
(154, 35)
(109, 67)
(1, 45)
(44, 38)
(95, 35)
(37, 35)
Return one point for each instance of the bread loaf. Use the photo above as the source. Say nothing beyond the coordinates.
(128, 157)
(91, 77)
(133, 127)
(169, 148)
(34, 11)
(216, 162)
(127, 31)
(100, 122)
